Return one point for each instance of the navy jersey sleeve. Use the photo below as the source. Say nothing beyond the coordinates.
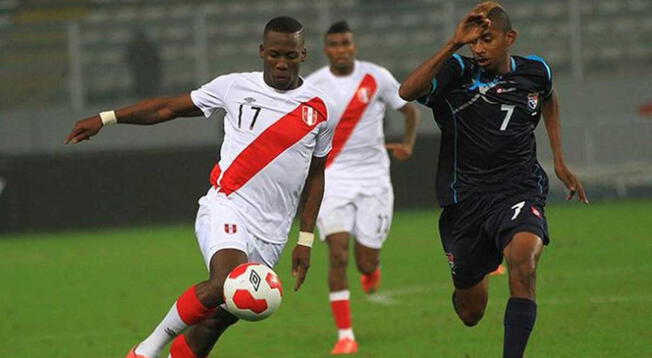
(449, 76)
(544, 74)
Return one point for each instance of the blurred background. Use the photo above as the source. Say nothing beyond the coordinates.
(64, 60)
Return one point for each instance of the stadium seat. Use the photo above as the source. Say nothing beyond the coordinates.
(624, 25)
(155, 13)
(182, 11)
(639, 52)
(596, 27)
(639, 6)
(381, 21)
(553, 9)
(523, 10)
(610, 7)
(124, 15)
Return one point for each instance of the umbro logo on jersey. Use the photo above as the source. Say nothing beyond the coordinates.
(230, 228)
(309, 115)
(249, 100)
(532, 100)
(363, 94)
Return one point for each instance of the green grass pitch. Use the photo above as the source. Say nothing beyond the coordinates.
(95, 294)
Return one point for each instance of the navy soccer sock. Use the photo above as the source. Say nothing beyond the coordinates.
(520, 315)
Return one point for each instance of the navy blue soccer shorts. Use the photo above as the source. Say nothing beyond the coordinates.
(475, 231)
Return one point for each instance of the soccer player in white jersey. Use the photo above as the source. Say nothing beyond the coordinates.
(358, 200)
(278, 133)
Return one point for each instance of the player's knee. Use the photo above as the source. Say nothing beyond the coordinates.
(470, 317)
(220, 320)
(339, 258)
(522, 268)
(214, 292)
(367, 266)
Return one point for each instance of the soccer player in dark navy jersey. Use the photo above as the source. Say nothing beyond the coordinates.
(489, 182)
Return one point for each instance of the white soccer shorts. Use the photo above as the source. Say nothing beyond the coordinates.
(219, 226)
(367, 217)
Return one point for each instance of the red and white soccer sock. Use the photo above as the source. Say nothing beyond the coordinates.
(180, 348)
(342, 313)
(185, 312)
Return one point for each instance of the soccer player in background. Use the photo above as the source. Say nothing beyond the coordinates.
(358, 198)
(278, 133)
(489, 182)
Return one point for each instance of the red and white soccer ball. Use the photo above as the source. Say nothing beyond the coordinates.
(252, 292)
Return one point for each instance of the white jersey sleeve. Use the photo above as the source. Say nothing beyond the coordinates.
(325, 135)
(389, 89)
(211, 96)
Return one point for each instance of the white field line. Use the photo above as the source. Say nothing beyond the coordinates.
(393, 297)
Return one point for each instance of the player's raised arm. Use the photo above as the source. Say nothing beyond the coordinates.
(550, 110)
(146, 112)
(403, 151)
(313, 192)
(419, 82)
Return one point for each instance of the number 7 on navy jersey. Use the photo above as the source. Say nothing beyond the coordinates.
(517, 209)
(510, 110)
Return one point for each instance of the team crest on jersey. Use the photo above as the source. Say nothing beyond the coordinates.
(230, 228)
(309, 115)
(250, 99)
(363, 94)
(532, 100)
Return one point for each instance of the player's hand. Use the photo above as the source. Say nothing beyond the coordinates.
(471, 28)
(573, 184)
(84, 129)
(300, 264)
(400, 151)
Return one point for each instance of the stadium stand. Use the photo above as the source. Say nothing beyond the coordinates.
(615, 47)
(233, 27)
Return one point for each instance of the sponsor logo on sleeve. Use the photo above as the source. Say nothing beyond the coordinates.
(536, 212)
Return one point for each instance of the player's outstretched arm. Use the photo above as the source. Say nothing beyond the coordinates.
(550, 112)
(419, 82)
(403, 151)
(313, 191)
(147, 112)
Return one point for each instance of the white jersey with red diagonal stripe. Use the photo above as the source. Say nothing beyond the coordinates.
(270, 137)
(360, 101)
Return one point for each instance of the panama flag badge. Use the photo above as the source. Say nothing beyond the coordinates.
(309, 115)
(532, 100)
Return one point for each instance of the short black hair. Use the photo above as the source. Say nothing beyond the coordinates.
(338, 28)
(285, 24)
(500, 19)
